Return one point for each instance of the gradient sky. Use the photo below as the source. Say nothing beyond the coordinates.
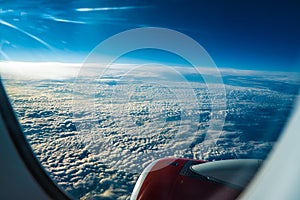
(256, 34)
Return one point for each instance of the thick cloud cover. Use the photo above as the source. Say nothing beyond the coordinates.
(100, 155)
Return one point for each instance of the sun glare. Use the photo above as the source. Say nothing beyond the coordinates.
(39, 70)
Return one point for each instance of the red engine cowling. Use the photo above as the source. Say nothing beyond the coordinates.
(177, 179)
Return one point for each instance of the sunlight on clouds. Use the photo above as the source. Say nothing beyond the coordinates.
(137, 122)
(39, 70)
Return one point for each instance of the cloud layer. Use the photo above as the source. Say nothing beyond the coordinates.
(99, 155)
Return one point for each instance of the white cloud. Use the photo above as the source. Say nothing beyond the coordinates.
(26, 33)
(108, 8)
(38, 70)
(128, 133)
(57, 19)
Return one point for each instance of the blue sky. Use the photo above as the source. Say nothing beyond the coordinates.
(237, 34)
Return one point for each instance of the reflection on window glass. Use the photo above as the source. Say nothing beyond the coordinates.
(94, 129)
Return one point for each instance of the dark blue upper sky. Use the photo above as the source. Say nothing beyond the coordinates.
(238, 34)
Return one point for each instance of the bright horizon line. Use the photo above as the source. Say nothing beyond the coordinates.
(78, 64)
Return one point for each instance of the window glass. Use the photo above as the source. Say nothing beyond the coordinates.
(98, 104)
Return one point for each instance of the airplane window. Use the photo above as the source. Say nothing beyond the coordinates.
(103, 90)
